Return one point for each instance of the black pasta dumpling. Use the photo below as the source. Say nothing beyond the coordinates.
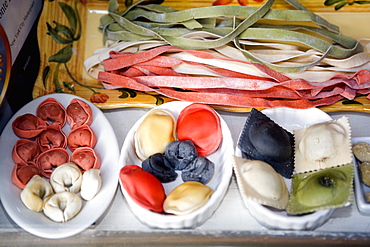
(180, 154)
(263, 139)
(158, 165)
(200, 170)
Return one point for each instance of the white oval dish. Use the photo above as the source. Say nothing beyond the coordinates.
(37, 223)
(360, 188)
(290, 119)
(219, 182)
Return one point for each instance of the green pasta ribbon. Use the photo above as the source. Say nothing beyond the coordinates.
(228, 25)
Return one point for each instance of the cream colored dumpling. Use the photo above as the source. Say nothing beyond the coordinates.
(36, 193)
(265, 180)
(258, 181)
(91, 184)
(154, 133)
(63, 206)
(187, 198)
(323, 145)
(66, 177)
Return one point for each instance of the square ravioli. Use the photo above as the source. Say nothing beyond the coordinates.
(319, 190)
(263, 139)
(323, 145)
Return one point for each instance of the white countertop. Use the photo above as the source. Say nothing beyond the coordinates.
(231, 224)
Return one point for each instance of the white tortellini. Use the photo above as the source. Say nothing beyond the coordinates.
(67, 177)
(63, 206)
(36, 193)
(91, 184)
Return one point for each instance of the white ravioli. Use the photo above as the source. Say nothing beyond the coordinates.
(258, 181)
(323, 145)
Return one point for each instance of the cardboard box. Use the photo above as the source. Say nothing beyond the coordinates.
(19, 54)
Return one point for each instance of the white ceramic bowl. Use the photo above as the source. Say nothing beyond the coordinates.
(360, 188)
(290, 119)
(37, 223)
(219, 182)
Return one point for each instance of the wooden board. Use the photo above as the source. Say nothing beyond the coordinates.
(90, 11)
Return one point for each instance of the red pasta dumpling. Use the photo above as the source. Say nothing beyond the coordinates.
(52, 111)
(28, 126)
(25, 150)
(82, 136)
(79, 113)
(143, 187)
(23, 172)
(50, 159)
(200, 124)
(52, 137)
(86, 158)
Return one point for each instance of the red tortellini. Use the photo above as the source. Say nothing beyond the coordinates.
(43, 145)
